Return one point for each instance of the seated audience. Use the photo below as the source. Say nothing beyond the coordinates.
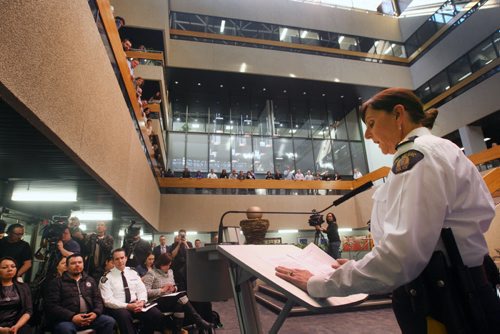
(147, 265)
(160, 282)
(15, 300)
(74, 302)
(125, 295)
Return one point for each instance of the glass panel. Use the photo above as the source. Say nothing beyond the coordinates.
(426, 31)
(337, 125)
(262, 125)
(329, 39)
(348, 43)
(439, 83)
(283, 153)
(300, 119)
(179, 116)
(289, 35)
(459, 70)
(424, 92)
(241, 147)
(190, 22)
(358, 157)
(197, 153)
(323, 154)
(342, 158)
(282, 120)
(411, 44)
(482, 55)
(263, 154)
(197, 116)
(309, 37)
(496, 41)
(241, 116)
(353, 125)
(319, 120)
(304, 159)
(398, 50)
(176, 151)
(220, 147)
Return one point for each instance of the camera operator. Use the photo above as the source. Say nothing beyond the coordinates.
(332, 232)
(179, 259)
(136, 249)
(99, 246)
(77, 233)
(13, 246)
(66, 245)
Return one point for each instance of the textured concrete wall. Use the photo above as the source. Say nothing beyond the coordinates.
(202, 212)
(54, 62)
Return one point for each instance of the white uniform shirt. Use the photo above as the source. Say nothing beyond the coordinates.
(212, 176)
(444, 189)
(113, 293)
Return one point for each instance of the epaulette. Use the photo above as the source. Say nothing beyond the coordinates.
(406, 161)
(104, 279)
(409, 140)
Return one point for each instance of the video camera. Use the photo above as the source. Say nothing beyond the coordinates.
(132, 231)
(315, 219)
(54, 230)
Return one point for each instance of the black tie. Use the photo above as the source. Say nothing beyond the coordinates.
(125, 286)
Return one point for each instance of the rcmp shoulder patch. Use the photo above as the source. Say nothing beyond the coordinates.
(104, 279)
(406, 161)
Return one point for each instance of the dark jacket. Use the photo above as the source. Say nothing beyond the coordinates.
(62, 301)
(25, 295)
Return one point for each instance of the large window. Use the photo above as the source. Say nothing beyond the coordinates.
(176, 151)
(241, 152)
(220, 149)
(283, 154)
(304, 158)
(263, 154)
(197, 152)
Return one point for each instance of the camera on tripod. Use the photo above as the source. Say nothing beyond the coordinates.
(315, 219)
(54, 231)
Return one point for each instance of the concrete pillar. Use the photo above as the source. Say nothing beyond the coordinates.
(472, 139)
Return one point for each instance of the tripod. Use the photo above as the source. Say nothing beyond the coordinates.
(319, 239)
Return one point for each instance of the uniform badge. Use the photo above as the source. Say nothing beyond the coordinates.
(406, 161)
(89, 284)
(104, 279)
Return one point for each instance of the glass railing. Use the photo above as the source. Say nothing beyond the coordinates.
(473, 61)
(211, 29)
(302, 39)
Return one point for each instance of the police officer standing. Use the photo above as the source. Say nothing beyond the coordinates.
(432, 188)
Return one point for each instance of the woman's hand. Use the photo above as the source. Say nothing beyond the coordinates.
(297, 277)
(339, 263)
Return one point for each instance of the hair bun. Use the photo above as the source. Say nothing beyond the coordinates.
(430, 118)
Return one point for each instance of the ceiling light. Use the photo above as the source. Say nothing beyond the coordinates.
(323, 94)
(345, 229)
(199, 83)
(284, 91)
(176, 82)
(93, 215)
(178, 119)
(341, 38)
(243, 87)
(303, 34)
(304, 93)
(243, 67)
(292, 75)
(222, 25)
(38, 192)
(221, 85)
(341, 96)
(263, 89)
(486, 139)
(336, 80)
(287, 231)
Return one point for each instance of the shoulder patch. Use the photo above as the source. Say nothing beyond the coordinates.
(104, 279)
(406, 161)
(409, 140)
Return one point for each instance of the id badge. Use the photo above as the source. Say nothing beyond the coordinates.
(131, 256)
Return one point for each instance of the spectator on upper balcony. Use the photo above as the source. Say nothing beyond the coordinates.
(277, 176)
(139, 82)
(186, 174)
(120, 22)
(149, 127)
(155, 98)
(233, 176)
(126, 44)
(169, 173)
(212, 175)
(356, 174)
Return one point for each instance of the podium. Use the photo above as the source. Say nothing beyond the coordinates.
(241, 265)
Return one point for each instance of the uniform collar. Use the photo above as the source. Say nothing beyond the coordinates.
(410, 136)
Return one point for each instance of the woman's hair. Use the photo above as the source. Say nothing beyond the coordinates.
(387, 99)
(163, 260)
(1, 260)
(148, 254)
(331, 213)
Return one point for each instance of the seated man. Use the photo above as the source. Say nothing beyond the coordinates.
(124, 296)
(74, 302)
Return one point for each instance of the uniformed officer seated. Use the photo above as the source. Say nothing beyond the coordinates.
(125, 295)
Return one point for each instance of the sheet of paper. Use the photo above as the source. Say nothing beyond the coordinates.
(311, 258)
(171, 294)
(148, 306)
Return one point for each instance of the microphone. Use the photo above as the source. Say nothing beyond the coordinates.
(337, 202)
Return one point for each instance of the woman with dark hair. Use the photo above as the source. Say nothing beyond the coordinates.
(15, 300)
(160, 283)
(432, 186)
(332, 232)
(147, 266)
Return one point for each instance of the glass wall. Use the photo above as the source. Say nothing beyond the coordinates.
(305, 134)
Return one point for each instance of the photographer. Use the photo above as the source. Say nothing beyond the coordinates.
(179, 258)
(66, 245)
(332, 232)
(77, 233)
(99, 246)
(136, 249)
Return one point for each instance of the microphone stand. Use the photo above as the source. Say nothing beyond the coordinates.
(337, 202)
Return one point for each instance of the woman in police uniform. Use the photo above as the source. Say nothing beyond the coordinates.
(432, 185)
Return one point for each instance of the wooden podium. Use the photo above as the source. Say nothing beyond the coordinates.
(243, 264)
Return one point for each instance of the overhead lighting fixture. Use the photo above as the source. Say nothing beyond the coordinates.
(243, 68)
(178, 119)
(243, 87)
(487, 139)
(199, 83)
(39, 192)
(345, 229)
(264, 89)
(222, 25)
(323, 94)
(336, 79)
(284, 91)
(292, 75)
(283, 34)
(341, 38)
(287, 231)
(303, 34)
(176, 82)
(83, 227)
(93, 215)
(221, 86)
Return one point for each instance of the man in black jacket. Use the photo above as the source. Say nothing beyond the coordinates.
(74, 302)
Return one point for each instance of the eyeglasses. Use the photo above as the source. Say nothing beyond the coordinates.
(18, 234)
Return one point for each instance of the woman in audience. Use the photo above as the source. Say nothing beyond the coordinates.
(61, 267)
(155, 98)
(15, 300)
(147, 266)
(160, 283)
